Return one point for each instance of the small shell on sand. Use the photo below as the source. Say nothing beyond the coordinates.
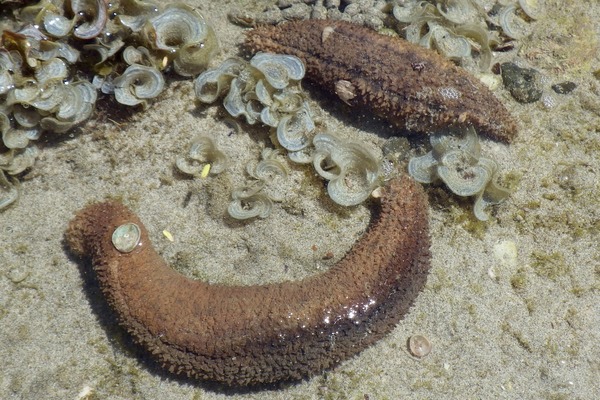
(419, 346)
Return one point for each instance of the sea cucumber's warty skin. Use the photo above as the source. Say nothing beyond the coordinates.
(251, 335)
(412, 87)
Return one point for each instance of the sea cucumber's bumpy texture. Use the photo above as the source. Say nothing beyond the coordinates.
(246, 335)
(412, 87)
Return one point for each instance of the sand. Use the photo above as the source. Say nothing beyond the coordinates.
(511, 307)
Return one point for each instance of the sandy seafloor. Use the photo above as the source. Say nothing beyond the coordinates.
(511, 307)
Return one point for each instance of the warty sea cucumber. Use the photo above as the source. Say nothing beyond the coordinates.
(250, 335)
(412, 87)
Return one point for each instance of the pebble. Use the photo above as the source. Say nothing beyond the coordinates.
(318, 12)
(296, 12)
(564, 87)
(523, 83)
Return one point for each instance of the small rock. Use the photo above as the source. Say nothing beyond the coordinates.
(523, 83)
(564, 87)
(286, 3)
(352, 9)
(298, 11)
(318, 12)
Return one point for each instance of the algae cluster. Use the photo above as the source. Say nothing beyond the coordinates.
(65, 52)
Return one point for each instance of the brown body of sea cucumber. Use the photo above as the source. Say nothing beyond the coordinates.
(412, 87)
(248, 335)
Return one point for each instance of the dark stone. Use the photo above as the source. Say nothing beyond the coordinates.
(523, 83)
(564, 87)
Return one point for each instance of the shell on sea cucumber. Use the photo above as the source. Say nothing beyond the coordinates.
(251, 335)
(126, 237)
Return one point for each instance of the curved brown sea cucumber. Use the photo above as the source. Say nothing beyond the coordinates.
(412, 87)
(247, 335)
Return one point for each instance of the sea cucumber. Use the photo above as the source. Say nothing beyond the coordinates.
(411, 87)
(251, 335)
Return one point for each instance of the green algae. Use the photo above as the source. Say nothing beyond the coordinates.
(519, 280)
(439, 280)
(518, 336)
(551, 266)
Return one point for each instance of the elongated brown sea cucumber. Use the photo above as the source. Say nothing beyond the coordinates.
(412, 87)
(247, 335)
